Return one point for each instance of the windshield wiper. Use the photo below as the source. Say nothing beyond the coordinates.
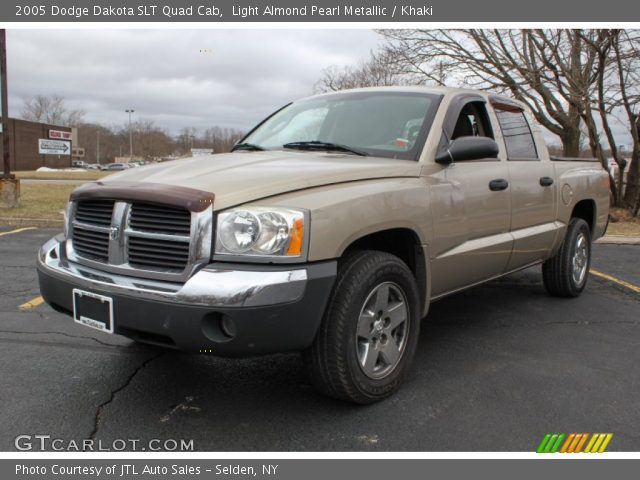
(247, 146)
(318, 145)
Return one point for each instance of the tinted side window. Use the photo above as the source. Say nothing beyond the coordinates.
(517, 135)
(473, 121)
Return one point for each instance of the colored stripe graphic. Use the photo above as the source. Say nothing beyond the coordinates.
(578, 448)
(574, 443)
(543, 443)
(567, 443)
(556, 446)
(590, 444)
(604, 445)
(598, 442)
(550, 443)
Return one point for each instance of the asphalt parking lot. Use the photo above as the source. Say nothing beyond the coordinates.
(497, 367)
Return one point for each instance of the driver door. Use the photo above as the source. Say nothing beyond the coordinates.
(471, 210)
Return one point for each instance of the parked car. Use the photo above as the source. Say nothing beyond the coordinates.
(116, 166)
(79, 164)
(329, 229)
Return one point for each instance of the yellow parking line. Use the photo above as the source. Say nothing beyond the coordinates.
(630, 286)
(33, 303)
(18, 230)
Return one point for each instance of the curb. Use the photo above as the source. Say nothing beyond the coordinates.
(618, 240)
(32, 222)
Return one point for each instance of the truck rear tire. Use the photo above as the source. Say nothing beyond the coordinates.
(566, 274)
(369, 332)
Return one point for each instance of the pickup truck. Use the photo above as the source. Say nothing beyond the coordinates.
(329, 230)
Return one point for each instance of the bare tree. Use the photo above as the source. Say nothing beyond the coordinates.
(549, 70)
(149, 141)
(379, 70)
(626, 48)
(186, 139)
(52, 110)
(220, 139)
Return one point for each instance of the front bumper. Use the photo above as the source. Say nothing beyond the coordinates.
(223, 309)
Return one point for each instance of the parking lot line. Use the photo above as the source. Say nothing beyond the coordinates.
(33, 303)
(17, 230)
(630, 286)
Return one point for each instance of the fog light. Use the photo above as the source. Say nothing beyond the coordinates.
(228, 326)
(218, 327)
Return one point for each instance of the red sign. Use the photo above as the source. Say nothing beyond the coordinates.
(60, 134)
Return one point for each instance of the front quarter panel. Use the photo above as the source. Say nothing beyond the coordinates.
(343, 213)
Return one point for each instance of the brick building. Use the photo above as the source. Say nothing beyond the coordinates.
(23, 141)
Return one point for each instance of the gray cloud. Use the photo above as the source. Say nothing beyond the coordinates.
(183, 78)
(178, 78)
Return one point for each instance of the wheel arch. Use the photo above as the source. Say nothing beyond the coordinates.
(586, 210)
(405, 244)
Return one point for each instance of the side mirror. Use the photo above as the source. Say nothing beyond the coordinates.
(468, 148)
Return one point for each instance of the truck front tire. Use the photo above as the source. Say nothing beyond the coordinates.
(565, 275)
(369, 332)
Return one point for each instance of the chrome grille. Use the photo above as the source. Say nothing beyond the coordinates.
(139, 239)
(95, 212)
(91, 229)
(158, 236)
(160, 219)
(92, 244)
(156, 253)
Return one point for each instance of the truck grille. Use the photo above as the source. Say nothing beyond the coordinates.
(95, 212)
(151, 236)
(160, 219)
(91, 243)
(165, 243)
(156, 253)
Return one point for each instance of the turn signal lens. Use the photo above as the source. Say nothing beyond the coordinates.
(297, 237)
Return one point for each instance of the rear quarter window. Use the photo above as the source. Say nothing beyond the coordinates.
(517, 135)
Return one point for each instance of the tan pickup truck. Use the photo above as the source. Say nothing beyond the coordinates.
(329, 230)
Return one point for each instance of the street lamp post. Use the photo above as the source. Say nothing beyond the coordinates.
(130, 111)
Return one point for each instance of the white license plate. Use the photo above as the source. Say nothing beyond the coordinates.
(93, 310)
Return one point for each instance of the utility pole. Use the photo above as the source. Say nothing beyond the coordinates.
(9, 185)
(130, 111)
(5, 107)
(98, 149)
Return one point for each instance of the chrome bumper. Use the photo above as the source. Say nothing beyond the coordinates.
(212, 286)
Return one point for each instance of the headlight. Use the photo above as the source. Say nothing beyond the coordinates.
(261, 232)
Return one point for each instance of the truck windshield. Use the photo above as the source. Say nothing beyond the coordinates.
(383, 124)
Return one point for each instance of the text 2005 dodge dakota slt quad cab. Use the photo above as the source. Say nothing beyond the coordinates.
(328, 230)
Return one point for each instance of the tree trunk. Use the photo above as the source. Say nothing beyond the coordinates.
(570, 137)
(632, 192)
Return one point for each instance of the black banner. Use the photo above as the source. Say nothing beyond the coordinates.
(220, 11)
(316, 469)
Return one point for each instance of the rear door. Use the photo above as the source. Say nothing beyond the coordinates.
(471, 207)
(533, 189)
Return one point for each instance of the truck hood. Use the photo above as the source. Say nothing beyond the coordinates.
(242, 177)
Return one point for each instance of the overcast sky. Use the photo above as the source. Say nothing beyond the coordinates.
(182, 78)
(177, 78)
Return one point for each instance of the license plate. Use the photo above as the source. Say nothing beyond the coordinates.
(93, 310)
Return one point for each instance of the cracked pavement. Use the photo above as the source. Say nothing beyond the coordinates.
(497, 367)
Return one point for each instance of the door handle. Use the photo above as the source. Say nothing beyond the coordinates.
(498, 184)
(546, 181)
